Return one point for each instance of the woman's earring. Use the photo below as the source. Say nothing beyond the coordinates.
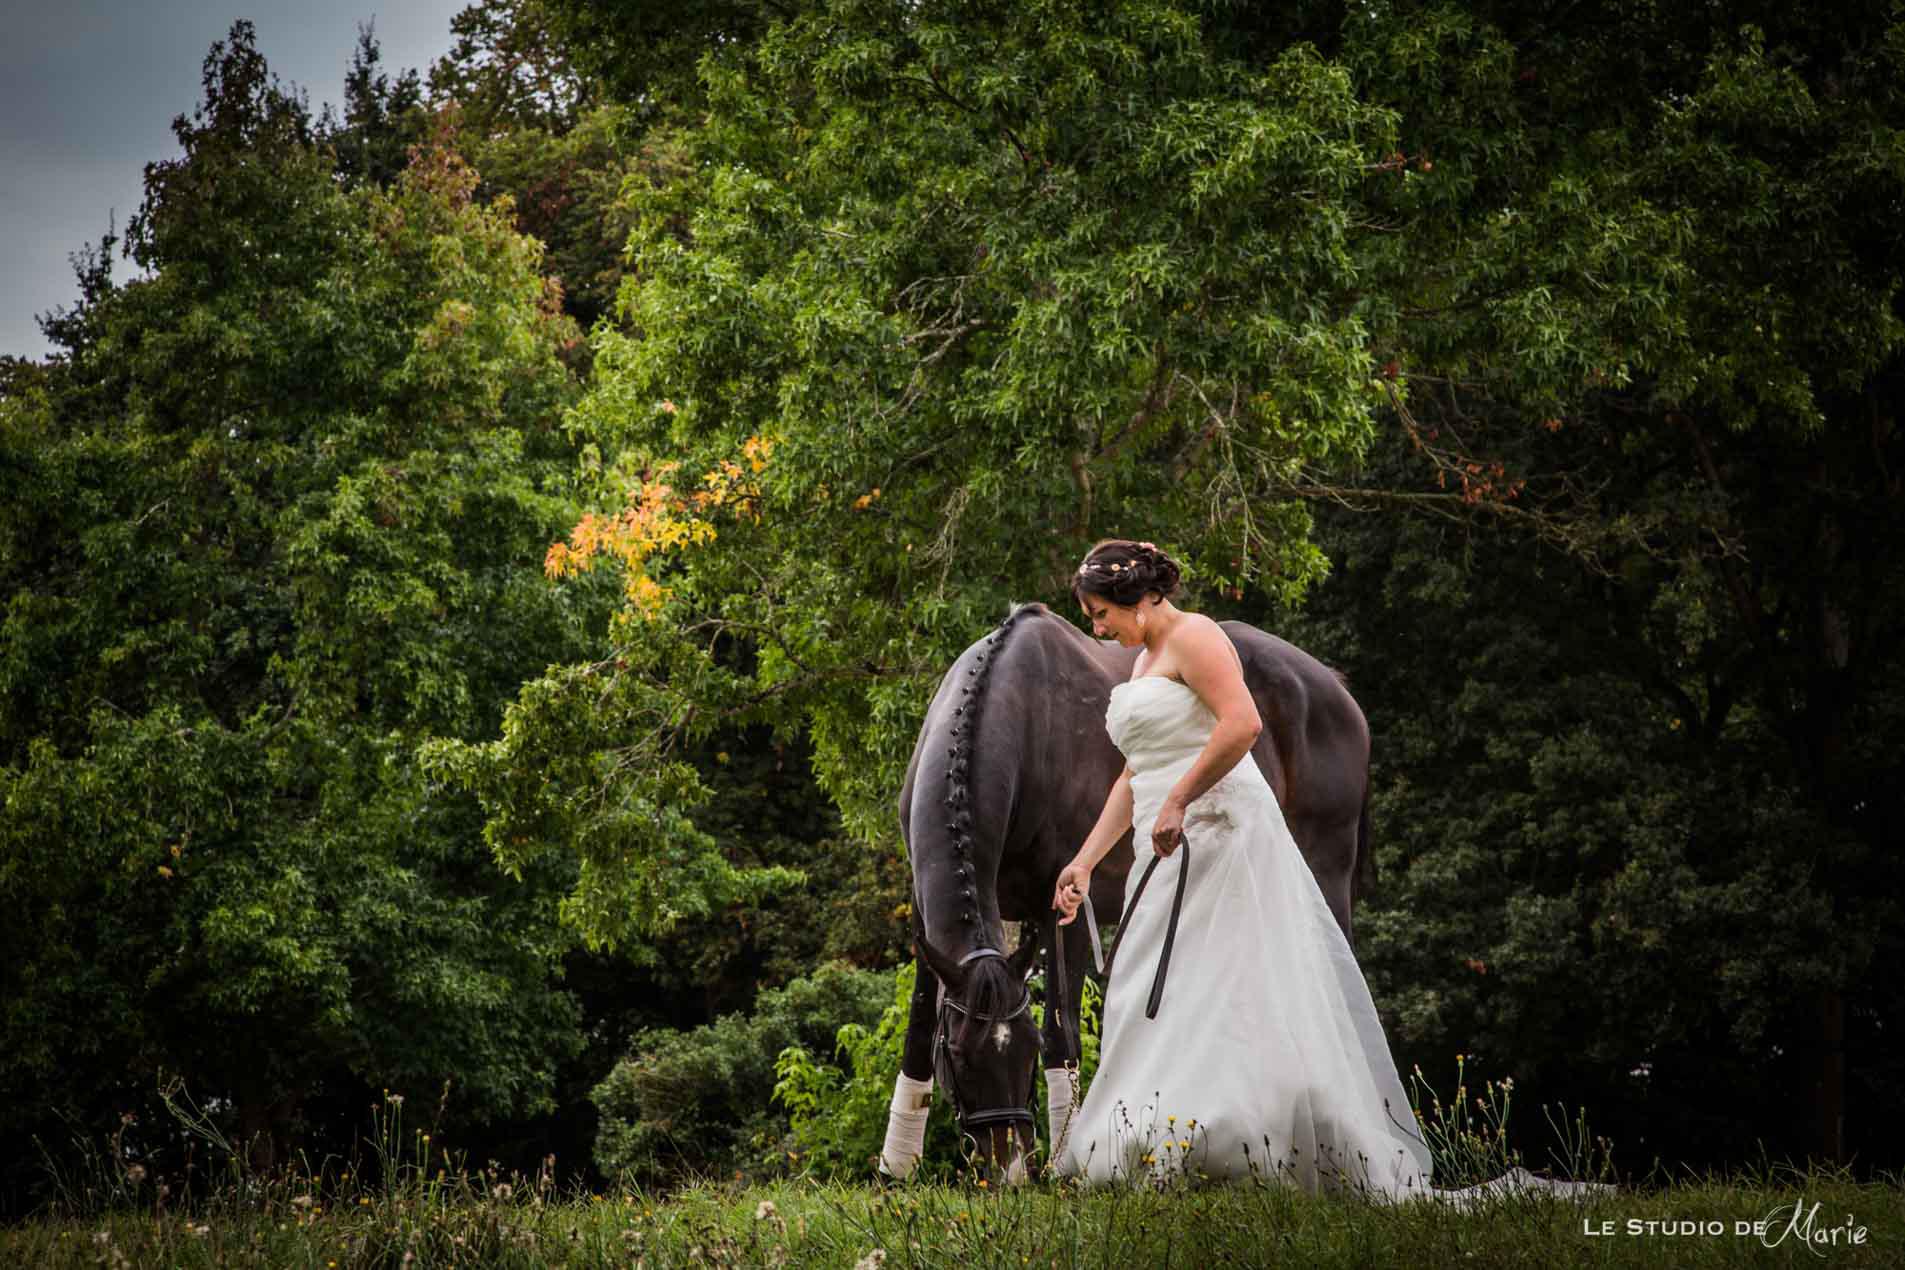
(1140, 619)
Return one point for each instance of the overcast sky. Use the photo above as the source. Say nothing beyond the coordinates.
(88, 91)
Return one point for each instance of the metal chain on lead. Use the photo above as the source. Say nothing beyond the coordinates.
(1071, 1116)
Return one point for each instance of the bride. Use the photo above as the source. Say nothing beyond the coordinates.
(1265, 1055)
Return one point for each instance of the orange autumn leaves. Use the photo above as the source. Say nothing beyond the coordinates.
(661, 518)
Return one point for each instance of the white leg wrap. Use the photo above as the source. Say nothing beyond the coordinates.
(906, 1126)
(1058, 1106)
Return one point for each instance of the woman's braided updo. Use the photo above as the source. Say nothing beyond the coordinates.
(1124, 572)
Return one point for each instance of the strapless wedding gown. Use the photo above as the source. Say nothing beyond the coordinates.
(1266, 1056)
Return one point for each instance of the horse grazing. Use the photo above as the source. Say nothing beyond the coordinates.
(1008, 776)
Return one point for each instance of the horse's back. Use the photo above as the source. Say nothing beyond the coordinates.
(1314, 751)
(1050, 683)
(1315, 743)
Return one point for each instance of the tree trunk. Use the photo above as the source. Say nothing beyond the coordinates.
(1829, 1128)
(255, 1131)
(264, 1127)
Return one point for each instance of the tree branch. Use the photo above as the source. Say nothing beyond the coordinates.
(1744, 599)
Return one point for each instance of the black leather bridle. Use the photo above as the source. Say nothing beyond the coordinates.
(983, 1117)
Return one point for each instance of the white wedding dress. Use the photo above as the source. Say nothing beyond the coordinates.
(1266, 1057)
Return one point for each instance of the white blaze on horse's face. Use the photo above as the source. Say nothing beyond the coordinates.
(1001, 1037)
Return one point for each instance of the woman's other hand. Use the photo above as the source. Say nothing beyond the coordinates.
(1169, 829)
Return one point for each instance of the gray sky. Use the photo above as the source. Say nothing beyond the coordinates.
(88, 91)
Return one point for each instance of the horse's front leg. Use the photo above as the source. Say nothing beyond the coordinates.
(1068, 950)
(913, 1087)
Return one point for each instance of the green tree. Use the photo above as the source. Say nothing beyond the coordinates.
(702, 1101)
(534, 126)
(290, 531)
(938, 295)
(930, 303)
(381, 120)
(511, 69)
(1663, 333)
(649, 54)
(1580, 887)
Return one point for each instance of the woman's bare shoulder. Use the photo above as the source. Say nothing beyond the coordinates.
(1208, 664)
(1201, 636)
(1196, 641)
(1203, 624)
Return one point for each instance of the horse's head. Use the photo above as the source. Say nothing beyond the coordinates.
(986, 1047)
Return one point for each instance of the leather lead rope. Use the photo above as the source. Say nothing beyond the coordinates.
(1092, 936)
(1170, 929)
(1059, 985)
(1170, 934)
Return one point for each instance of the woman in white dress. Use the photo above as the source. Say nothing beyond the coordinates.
(1266, 1056)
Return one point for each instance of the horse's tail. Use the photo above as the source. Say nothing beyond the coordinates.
(1363, 881)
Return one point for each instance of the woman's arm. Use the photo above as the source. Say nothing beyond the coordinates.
(1210, 668)
(1074, 880)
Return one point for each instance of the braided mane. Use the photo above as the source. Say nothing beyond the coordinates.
(985, 976)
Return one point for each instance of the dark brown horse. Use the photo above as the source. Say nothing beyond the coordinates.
(1008, 776)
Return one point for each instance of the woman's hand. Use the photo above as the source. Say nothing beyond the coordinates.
(1074, 884)
(1169, 829)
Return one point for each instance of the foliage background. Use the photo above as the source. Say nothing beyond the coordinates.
(468, 606)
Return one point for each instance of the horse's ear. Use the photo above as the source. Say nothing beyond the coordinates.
(1025, 957)
(943, 967)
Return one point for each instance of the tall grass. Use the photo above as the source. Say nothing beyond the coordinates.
(406, 1201)
(1469, 1141)
(464, 1221)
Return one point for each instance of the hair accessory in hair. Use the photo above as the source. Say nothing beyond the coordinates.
(1149, 546)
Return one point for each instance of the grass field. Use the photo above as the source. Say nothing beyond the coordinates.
(1815, 1218)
